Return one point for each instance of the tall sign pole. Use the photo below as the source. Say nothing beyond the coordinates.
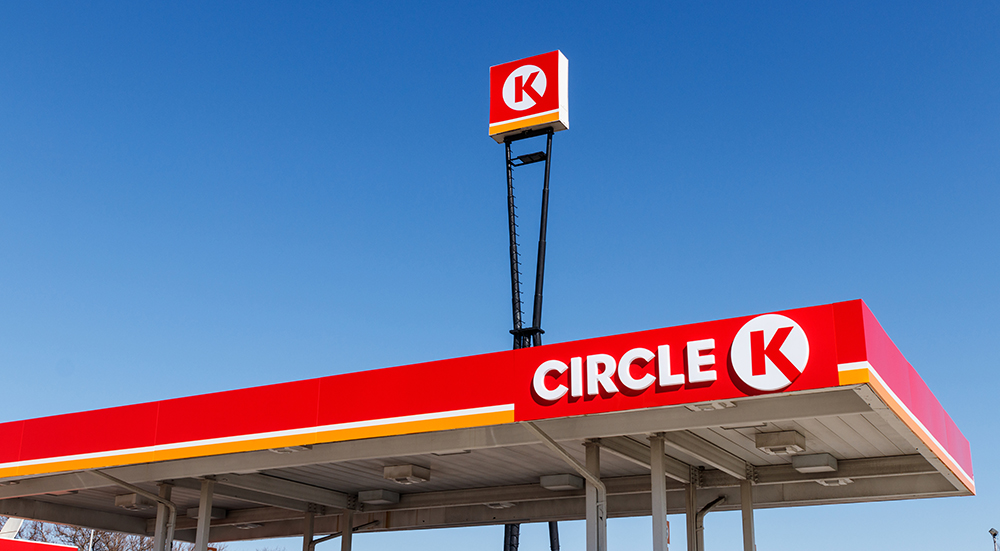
(529, 98)
(531, 335)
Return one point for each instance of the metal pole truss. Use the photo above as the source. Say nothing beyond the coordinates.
(525, 337)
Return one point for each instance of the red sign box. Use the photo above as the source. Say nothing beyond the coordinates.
(530, 93)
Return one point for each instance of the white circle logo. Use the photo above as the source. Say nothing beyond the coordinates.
(524, 87)
(770, 352)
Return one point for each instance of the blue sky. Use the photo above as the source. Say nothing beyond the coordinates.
(203, 197)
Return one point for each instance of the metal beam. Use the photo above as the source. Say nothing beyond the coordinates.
(235, 517)
(162, 529)
(855, 469)
(848, 468)
(691, 516)
(773, 409)
(867, 489)
(621, 505)
(638, 453)
(746, 503)
(658, 488)
(286, 489)
(171, 520)
(783, 478)
(474, 496)
(204, 516)
(330, 525)
(250, 496)
(584, 470)
(308, 530)
(597, 501)
(50, 512)
(347, 530)
(703, 450)
(777, 475)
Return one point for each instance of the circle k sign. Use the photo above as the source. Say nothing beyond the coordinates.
(529, 94)
(524, 87)
(769, 352)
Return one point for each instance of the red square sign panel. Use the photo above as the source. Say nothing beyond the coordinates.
(528, 94)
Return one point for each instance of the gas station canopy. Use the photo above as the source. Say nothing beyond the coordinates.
(802, 407)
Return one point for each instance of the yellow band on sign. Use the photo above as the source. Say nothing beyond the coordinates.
(854, 376)
(531, 121)
(410, 424)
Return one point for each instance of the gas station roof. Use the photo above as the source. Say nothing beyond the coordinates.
(813, 406)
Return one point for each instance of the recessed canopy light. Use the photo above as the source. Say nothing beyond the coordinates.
(786, 442)
(452, 452)
(499, 505)
(830, 482)
(747, 426)
(290, 449)
(711, 406)
(407, 474)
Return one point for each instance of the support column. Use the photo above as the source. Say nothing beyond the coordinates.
(691, 515)
(308, 530)
(746, 502)
(658, 484)
(511, 536)
(597, 537)
(204, 515)
(160, 532)
(346, 529)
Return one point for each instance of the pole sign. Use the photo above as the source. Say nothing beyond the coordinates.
(530, 93)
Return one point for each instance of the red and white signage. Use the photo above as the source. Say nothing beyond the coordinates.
(528, 94)
(790, 351)
(719, 360)
(770, 352)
